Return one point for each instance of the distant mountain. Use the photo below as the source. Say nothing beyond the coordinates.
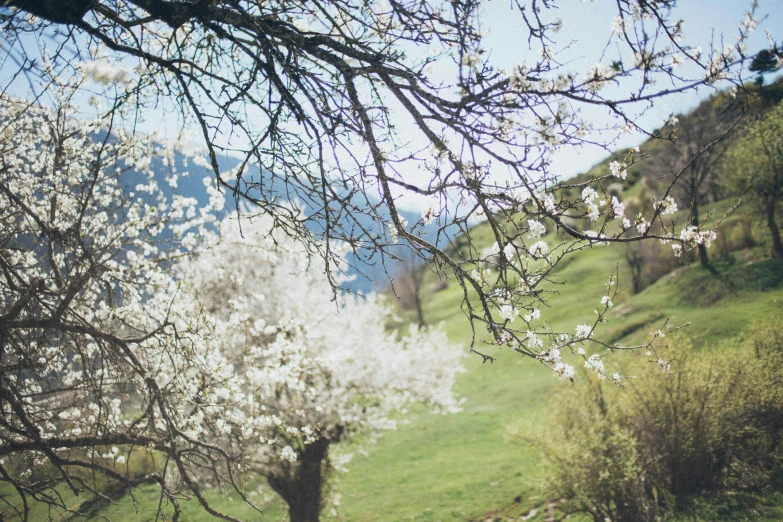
(368, 272)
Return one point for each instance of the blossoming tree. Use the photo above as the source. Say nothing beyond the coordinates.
(318, 369)
(97, 353)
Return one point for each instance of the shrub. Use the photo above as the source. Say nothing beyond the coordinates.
(713, 422)
(595, 463)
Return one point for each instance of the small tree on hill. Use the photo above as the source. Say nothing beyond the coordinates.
(407, 284)
(701, 141)
(755, 167)
(766, 61)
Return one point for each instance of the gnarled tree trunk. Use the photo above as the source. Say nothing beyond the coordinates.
(777, 245)
(300, 485)
(58, 11)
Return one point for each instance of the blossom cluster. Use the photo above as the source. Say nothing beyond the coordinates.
(307, 365)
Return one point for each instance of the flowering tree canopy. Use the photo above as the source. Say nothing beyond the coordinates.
(128, 324)
(97, 350)
(350, 106)
(316, 370)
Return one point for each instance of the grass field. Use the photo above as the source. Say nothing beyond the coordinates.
(475, 465)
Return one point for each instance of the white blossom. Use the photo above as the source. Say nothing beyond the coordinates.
(618, 210)
(595, 363)
(618, 25)
(564, 371)
(584, 331)
(104, 72)
(667, 206)
(535, 229)
(597, 76)
(533, 340)
(288, 454)
(539, 249)
(507, 312)
(618, 169)
(534, 315)
(471, 59)
(429, 214)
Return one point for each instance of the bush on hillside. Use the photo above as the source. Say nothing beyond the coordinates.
(714, 422)
(735, 235)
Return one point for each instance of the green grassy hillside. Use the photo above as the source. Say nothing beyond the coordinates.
(466, 466)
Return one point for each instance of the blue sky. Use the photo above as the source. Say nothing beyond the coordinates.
(588, 26)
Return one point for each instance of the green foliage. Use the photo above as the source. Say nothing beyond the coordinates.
(765, 61)
(755, 167)
(595, 462)
(714, 422)
(756, 159)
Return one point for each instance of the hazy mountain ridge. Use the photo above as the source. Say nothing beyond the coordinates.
(362, 270)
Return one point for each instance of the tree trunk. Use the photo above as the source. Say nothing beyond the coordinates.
(636, 279)
(705, 261)
(635, 261)
(703, 258)
(301, 486)
(777, 246)
(419, 309)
